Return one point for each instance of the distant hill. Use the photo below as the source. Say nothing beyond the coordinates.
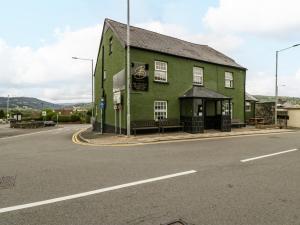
(27, 102)
(292, 100)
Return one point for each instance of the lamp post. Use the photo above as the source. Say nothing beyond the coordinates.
(128, 68)
(92, 61)
(276, 79)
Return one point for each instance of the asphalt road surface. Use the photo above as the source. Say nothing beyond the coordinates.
(47, 179)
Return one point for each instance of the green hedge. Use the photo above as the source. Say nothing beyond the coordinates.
(66, 119)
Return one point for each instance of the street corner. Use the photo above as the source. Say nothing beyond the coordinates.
(88, 137)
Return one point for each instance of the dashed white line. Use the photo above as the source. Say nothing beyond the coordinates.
(269, 155)
(84, 194)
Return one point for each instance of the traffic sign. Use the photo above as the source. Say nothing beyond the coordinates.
(102, 104)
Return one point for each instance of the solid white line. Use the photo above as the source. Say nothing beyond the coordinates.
(265, 156)
(84, 194)
(29, 134)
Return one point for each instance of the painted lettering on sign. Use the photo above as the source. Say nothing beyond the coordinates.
(139, 78)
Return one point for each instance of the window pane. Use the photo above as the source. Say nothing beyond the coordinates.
(160, 110)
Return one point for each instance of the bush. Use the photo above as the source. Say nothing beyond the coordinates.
(75, 118)
(2, 114)
(66, 119)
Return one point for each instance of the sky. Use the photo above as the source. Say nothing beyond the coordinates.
(39, 38)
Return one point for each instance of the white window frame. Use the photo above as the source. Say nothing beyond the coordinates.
(198, 75)
(228, 79)
(161, 68)
(162, 111)
(248, 106)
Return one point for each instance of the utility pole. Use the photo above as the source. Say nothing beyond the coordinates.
(276, 80)
(276, 88)
(128, 68)
(7, 108)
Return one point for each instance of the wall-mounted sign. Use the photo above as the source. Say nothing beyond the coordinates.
(117, 97)
(139, 77)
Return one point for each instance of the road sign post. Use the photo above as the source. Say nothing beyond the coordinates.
(102, 106)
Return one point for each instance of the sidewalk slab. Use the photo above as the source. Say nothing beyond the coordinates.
(97, 139)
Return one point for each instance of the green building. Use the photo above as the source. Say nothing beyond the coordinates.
(171, 80)
(250, 107)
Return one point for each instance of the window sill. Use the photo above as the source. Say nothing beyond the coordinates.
(229, 87)
(161, 82)
(198, 85)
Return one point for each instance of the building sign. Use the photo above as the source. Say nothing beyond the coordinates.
(117, 97)
(139, 77)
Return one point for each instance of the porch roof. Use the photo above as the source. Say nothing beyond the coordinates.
(202, 92)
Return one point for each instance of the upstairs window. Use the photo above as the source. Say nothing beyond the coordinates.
(110, 45)
(160, 110)
(161, 71)
(228, 79)
(198, 75)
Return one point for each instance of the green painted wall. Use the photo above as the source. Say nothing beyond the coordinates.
(113, 63)
(180, 77)
(250, 114)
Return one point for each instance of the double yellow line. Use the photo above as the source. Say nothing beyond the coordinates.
(76, 140)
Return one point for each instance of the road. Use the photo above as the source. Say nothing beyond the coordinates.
(217, 188)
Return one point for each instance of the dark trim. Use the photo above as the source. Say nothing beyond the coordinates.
(161, 82)
(204, 98)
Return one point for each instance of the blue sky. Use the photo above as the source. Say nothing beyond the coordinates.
(38, 38)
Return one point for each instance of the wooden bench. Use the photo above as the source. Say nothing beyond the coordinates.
(256, 120)
(237, 123)
(144, 125)
(171, 124)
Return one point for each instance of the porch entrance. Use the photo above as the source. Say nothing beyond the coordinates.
(212, 114)
(202, 108)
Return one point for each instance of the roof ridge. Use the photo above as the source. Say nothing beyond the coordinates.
(169, 36)
(175, 46)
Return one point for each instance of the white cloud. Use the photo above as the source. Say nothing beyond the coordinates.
(49, 72)
(264, 17)
(222, 42)
(264, 84)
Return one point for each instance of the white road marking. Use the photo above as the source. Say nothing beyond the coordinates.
(84, 194)
(269, 155)
(29, 134)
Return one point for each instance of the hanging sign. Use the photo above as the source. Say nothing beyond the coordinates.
(139, 77)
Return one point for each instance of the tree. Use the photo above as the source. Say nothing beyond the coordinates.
(2, 114)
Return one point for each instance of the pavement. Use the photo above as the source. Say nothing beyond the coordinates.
(88, 137)
(47, 179)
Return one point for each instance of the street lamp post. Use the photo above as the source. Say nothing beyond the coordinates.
(276, 79)
(92, 61)
(128, 68)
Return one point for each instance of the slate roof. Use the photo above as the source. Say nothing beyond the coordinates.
(202, 92)
(250, 98)
(145, 39)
